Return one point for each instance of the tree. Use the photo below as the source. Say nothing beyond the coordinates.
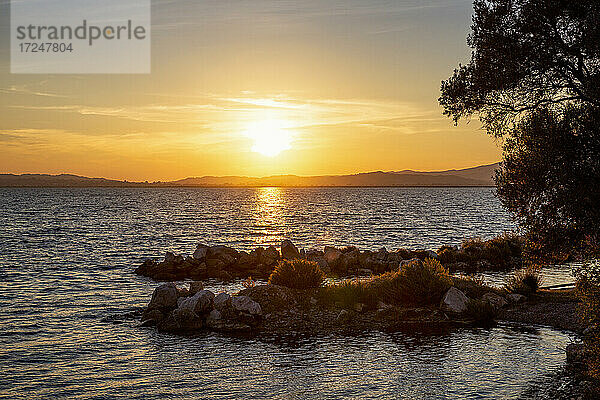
(550, 180)
(534, 81)
(527, 55)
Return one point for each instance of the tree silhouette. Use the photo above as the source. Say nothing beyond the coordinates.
(534, 81)
(527, 55)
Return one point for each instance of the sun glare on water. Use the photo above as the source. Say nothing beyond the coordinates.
(270, 137)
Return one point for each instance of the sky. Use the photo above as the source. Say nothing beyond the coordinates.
(254, 88)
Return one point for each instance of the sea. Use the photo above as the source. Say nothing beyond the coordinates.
(69, 299)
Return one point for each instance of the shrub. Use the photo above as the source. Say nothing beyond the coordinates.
(419, 282)
(447, 255)
(472, 286)
(588, 291)
(499, 251)
(297, 274)
(524, 281)
(351, 292)
(482, 312)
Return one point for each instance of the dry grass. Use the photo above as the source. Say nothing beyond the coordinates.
(417, 283)
(482, 312)
(472, 286)
(525, 281)
(297, 274)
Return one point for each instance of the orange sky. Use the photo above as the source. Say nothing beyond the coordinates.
(322, 87)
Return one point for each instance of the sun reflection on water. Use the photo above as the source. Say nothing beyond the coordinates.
(269, 215)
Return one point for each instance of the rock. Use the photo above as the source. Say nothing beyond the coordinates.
(350, 259)
(183, 292)
(494, 299)
(332, 256)
(195, 287)
(404, 262)
(576, 354)
(214, 319)
(454, 301)
(248, 261)
(180, 320)
(201, 252)
(273, 298)
(405, 254)
(431, 254)
(169, 257)
(245, 304)
(394, 256)
(229, 326)
(289, 251)
(169, 324)
(269, 256)
(226, 255)
(318, 257)
(151, 317)
(516, 298)
(382, 254)
(222, 302)
(187, 319)
(200, 303)
(147, 268)
(164, 297)
(384, 310)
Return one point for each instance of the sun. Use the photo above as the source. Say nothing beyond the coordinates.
(270, 137)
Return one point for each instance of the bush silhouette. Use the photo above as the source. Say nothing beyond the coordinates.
(297, 274)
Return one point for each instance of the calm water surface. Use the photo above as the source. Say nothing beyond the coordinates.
(67, 293)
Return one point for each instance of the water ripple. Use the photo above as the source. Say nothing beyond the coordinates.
(69, 300)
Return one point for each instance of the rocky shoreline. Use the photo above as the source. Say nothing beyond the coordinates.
(278, 309)
(226, 263)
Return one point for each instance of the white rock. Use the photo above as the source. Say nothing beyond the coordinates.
(164, 296)
(246, 305)
(454, 301)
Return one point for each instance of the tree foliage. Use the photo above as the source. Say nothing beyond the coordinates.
(550, 180)
(527, 55)
(534, 81)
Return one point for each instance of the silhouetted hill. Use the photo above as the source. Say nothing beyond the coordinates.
(477, 176)
(62, 180)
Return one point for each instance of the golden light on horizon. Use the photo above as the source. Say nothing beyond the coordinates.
(270, 136)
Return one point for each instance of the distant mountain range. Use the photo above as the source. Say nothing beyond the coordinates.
(477, 176)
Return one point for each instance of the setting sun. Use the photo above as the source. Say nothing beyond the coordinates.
(270, 137)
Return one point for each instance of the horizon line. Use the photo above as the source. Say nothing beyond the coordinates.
(147, 181)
